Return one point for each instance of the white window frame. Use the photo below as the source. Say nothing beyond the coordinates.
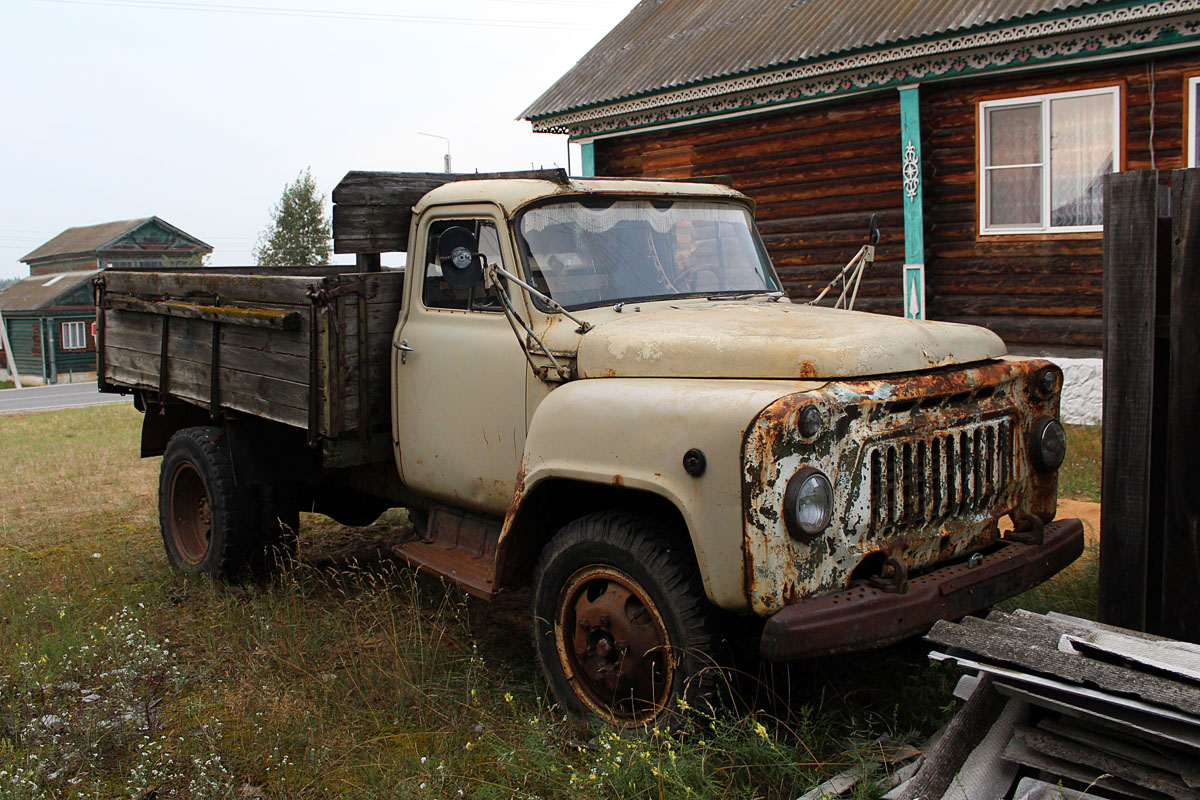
(1192, 130)
(1044, 100)
(74, 338)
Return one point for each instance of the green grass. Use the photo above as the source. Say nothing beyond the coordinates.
(1080, 475)
(348, 675)
(7, 385)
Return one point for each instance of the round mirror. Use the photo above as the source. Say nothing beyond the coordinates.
(461, 266)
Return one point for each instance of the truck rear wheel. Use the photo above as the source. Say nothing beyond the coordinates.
(208, 522)
(621, 626)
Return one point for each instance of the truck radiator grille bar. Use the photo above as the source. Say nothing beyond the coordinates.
(921, 482)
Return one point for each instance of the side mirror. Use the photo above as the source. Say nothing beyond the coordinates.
(462, 267)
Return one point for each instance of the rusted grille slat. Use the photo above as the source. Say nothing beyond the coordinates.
(919, 482)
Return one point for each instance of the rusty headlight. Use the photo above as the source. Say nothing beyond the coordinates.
(808, 504)
(1047, 444)
(1045, 383)
(811, 421)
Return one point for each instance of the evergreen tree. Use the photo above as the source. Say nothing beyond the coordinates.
(299, 232)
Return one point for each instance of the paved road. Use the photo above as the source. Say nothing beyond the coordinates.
(63, 395)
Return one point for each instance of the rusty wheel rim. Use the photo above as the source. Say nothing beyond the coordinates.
(191, 514)
(613, 646)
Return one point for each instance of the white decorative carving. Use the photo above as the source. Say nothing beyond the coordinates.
(912, 171)
(913, 61)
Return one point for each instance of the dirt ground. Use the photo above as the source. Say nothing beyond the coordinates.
(1088, 512)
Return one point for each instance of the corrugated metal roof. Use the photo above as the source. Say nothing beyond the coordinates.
(41, 291)
(667, 44)
(85, 239)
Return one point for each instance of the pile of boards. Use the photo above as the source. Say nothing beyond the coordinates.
(1061, 707)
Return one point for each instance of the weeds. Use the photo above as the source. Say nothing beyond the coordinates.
(1080, 475)
(347, 675)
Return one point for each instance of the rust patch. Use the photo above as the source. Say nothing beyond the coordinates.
(618, 480)
(808, 369)
(901, 506)
(502, 571)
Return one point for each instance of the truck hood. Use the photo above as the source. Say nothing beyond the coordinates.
(759, 339)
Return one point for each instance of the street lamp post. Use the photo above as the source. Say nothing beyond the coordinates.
(444, 139)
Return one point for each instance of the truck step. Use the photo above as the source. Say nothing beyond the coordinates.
(473, 573)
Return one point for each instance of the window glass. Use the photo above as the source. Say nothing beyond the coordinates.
(74, 336)
(1016, 135)
(440, 294)
(1081, 154)
(1193, 122)
(585, 253)
(1044, 161)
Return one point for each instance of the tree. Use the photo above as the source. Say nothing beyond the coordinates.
(299, 232)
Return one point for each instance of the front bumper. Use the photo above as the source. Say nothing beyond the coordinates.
(863, 617)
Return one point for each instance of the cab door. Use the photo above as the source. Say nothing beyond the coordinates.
(459, 375)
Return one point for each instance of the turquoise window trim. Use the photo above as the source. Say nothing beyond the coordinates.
(913, 199)
(587, 154)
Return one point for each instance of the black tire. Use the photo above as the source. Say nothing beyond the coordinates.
(209, 525)
(621, 625)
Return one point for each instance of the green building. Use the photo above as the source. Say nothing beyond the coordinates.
(49, 315)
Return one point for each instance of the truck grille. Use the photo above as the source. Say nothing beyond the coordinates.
(916, 483)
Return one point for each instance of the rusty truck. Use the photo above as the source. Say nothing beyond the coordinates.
(597, 389)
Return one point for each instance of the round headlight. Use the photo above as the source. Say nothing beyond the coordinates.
(1047, 444)
(808, 504)
(1046, 381)
(811, 422)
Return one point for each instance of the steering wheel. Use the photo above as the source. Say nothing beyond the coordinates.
(688, 275)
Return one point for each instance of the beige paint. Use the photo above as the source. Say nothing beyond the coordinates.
(511, 194)
(757, 338)
(634, 432)
(459, 397)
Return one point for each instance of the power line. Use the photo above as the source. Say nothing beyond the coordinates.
(360, 16)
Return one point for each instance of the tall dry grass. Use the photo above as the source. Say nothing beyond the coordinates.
(345, 676)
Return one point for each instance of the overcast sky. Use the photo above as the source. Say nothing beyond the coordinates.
(199, 111)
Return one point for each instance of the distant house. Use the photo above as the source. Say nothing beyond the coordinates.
(49, 320)
(148, 242)
(980, 132)
(49, 315)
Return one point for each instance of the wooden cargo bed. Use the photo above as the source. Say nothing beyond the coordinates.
(302, 347)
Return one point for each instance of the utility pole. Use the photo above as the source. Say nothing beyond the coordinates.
(11, 356)
(444, 139)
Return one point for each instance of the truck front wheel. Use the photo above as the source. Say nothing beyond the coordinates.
(621, 625)
(207, 521)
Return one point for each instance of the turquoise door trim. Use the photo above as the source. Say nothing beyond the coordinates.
(914, 205)
(587, 154)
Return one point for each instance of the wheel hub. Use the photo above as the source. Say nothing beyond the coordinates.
(614, 645)
(190, 514)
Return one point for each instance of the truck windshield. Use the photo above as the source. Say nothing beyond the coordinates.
(599, 251)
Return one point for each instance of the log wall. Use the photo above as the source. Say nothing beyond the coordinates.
(1036, 290)
(817, 175)
(819, 171)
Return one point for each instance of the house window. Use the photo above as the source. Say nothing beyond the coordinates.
(1044, 159)
(74, 336)
(1192, 125)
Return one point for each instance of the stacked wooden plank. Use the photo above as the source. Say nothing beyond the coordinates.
(372, 211)
(1064, 707)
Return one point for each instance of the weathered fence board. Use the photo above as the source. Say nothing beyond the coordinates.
(1181, 529)
(1150, 529)
(1130, 246)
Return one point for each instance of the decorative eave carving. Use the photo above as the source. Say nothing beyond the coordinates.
(1065, 39)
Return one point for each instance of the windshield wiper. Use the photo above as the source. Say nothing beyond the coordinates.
(772, 296)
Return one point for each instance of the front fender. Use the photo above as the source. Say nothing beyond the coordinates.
(633, 432)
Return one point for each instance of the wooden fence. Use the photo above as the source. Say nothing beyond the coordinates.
(1150, 524)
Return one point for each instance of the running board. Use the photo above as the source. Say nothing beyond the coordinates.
(458, 546)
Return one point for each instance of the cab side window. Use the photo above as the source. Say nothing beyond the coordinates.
(437, 292)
